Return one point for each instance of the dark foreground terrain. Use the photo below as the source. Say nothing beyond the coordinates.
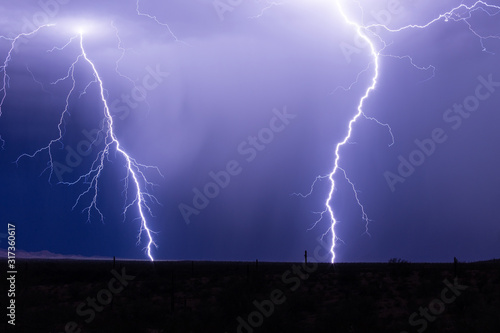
(92, 296)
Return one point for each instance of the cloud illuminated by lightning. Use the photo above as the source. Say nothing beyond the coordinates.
(461, 13)
(134, 170)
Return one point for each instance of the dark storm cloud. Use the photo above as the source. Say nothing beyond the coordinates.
(211, 86)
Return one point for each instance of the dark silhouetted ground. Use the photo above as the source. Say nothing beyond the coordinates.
(210, 296)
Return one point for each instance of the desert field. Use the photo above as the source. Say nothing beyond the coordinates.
(138, 296)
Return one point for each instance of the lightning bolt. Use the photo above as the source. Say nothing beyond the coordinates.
(117, 65)
(42, 87)
(5, 79)
(134, 169)
(456, 16)
(135, 175)
(154, 18)
(328, 208)
(268, 6)
(461, 13)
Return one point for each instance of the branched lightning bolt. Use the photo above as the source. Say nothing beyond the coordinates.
(364, 216)
(328, 208)
(134, 170)
(345, 89)
(117, 65)
(269, 5)
(42, 87)
(363, 31)
(454, 15)
(5, 78)
(154, 18)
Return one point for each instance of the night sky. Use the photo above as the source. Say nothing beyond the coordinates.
(249, 89)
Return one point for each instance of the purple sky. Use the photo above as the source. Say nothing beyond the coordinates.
(214, 81)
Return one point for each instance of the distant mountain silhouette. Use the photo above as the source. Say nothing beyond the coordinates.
(21, 254)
